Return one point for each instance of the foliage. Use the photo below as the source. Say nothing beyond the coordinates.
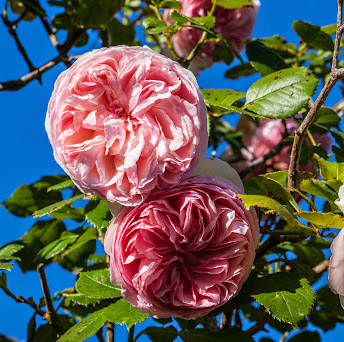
(69, 227)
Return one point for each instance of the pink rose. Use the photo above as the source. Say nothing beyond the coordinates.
(259, 140)
(235, 25)
(336, 268)
(124, 121)
(185, 251)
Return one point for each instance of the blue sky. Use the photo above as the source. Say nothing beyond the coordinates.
(27, 154)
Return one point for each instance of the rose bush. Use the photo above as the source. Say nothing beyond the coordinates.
(185, 251)
(336, 267)
(235, 25)
(124, 121)
(259, 139)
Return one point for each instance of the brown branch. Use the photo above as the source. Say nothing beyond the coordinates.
(12, 31)
(260, 325)
(51, 34)
(226, 319)
(24, 80)
(335, 75)
(260, 161)
(322, 267)
(99, 335)
(51, 314)
(110, 332)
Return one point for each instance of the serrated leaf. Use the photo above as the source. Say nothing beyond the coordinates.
(287, 298)
(317, 188)
(56, 206)
(154, 25)
(322, 220)
(327, 116)
(88, 235)
(331, 170)
(220, 97)
(172, 4)
(158, 334)
(5, 266)
(61, 186)
(264, 59)
(56, 247)
(240, 70)
(282, 176)
(120, 312)
(121, 34)
(181, 19)
(313, 36)
(69, 213)
(234, 4)
(40, 235)
(269, 203)
(48, 181)
(329, 29)
(280, 44)
(27, 198)
(97, 284)
(7, 251)
(98, 214)
(281, 94)
(82, 299)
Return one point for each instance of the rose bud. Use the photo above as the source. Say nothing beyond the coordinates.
(184, 251)
(124, 121)
(236, 25)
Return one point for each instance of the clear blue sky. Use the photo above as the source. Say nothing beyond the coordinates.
(27, 155)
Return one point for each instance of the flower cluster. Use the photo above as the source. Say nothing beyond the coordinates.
(259, 138)
(129, 125)
(236, 25)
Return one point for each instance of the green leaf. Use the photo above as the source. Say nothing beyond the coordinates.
(61, 186)
(204, 335)
(221, 97)
(287, 298)
(181, 19)
(69, 213)
(322, 220)
(97, 284)
(56, 247)
(158, 334)
(306, 336)
(154, 25)
(282, 176)
(98, 214)
(223, 54)
(27, 198)
(120, 312)
(281, 94)
(121, 34)
(327, 116)
(313, 36)
(264, 59)
(5, 266)
(234, 4)
(47, 182)
(40, 235)
(56, 206)
(240, 70)
(7, 251)
(329, 29)
(279, 44)
(317, 188)
(82, 299)
(269, 203)
(88, 235)
(172, 4)
(331, 170)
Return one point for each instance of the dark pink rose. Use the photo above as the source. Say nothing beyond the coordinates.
(259, 140)
(235, 25)
(185, 251)
(124, 121)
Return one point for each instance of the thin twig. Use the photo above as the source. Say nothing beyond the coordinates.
(99, 335)
(51, 314)
(260, 161)
(51, 34)
(322, 267)
(260, 325)
(131, 334)
(335, 75)
(24, 80)
(12, 31)
(110, 332)
(226, 319)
